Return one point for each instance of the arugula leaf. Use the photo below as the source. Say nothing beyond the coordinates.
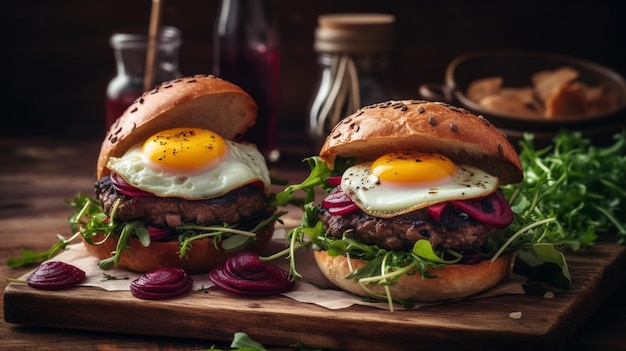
(424, 249)
(543, 262)
(580, 184)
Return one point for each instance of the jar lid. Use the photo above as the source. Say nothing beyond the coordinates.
(354, 32)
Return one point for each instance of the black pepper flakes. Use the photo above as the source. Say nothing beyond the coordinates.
(421, 109)
(454, 127)
(432, 120)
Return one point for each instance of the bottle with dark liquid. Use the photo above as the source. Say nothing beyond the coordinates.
(247, 53)
(130, 48)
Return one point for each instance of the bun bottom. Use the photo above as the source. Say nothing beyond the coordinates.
(451, 282)
(201, 258)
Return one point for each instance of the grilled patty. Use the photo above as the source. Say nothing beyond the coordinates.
(247, 203)
(455, 229)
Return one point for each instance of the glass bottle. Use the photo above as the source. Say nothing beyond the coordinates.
(129, 47)
(247, 53)
(353, 56)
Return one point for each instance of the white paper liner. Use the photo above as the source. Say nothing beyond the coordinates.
(306, 290)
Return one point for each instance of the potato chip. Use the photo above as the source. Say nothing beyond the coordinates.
(480, 88)
(548, 81)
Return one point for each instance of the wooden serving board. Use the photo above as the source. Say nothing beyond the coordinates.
(482, 324)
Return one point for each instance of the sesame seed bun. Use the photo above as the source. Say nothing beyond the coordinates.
(424, 126)
(198, 101)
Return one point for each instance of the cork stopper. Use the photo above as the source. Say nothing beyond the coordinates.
(354, 33)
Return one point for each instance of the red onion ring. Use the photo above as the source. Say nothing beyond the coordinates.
(124, 188)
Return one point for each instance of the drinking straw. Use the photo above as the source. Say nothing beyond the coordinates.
(153, 34)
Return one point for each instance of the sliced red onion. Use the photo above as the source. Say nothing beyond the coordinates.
(500, 217)
(343, 210)
(338, 203)
(55, 275)
(161, 284)
(126, 189)
(336, 198)
(246, 275)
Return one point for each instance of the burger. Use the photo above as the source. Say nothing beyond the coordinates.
(413, 209)
(175, 185)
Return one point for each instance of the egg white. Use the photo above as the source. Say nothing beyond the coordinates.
(387, 199)
(241, 164)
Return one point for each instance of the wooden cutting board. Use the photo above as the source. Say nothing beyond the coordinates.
(483, 324)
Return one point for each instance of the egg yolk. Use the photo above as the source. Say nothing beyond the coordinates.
(413, 167)
(184, 150)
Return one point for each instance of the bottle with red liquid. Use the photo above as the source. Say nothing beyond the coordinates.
(130, 47)
(247, 53)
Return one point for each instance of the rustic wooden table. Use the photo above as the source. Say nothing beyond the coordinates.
(35, 175)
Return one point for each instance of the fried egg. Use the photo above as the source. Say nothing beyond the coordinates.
(402, 182)
(191, 163)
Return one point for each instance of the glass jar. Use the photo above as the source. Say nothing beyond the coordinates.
(353, 56)
(247, 52)
(129, 47)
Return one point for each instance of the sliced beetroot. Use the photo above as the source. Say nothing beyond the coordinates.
(436, 210)
(161, 284)
(126, 189)
(334, 180)
(492, 210)
(246, 275)
(55, 275)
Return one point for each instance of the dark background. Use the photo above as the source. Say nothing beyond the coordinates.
(57, 60)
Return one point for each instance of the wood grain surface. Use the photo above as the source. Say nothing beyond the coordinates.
(37, 174)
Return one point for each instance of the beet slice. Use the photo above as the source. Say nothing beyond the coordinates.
(436, 210)
(492, 210)
(161, 284)
(334, 180)
(246, 275)
(55, 275)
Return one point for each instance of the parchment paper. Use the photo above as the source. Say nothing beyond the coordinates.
(306, 290)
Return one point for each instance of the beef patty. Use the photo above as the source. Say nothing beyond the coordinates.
(247, 203)
(455, 229)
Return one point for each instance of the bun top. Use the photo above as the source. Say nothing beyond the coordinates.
(200, 101)
(438, 127)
